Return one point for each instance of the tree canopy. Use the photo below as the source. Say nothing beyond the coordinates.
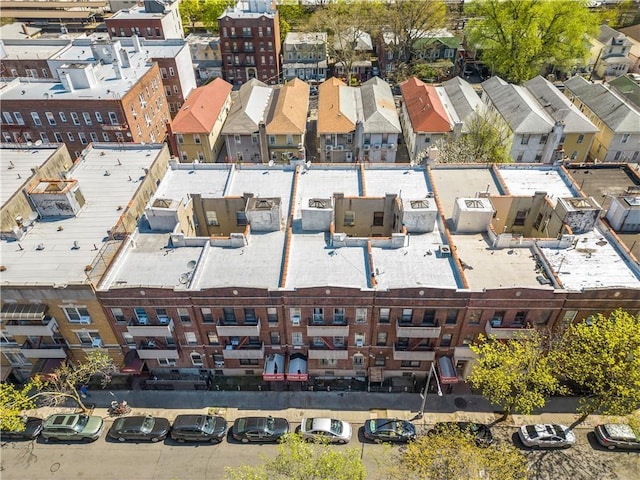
(450, 454)
(203, 13)
(601, 356)
(54, 389)
(487, 139)
(517, 38)
(517, 374)
(299, 460)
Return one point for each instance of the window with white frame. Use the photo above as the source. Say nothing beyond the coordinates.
(183, 315)
(358, 360)
(58, 137)
(118, 314)
(190, 338)
(238, 139)
(8, 119)
(87, 118)
(196, 359)
(83, 138)
(129, 339)
(113, 118)
(99, 117)
(75, 119)
(359, 339)
(295, 314)
(93, 136)
(361, 315)
(105, 136)
(18, 117)
(44, 137)
(50, 118)
(166, 362)
(196, 139)
(77, 314)
(296, 339)
(16, 359)
(88, 337)
(212, 218)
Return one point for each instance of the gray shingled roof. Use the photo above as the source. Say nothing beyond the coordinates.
(378, 107)
(249, 108)
(463, 98)
(559, 107)
(606, 105)
(518, 107)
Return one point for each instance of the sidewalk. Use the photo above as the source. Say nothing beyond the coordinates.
(354, 407)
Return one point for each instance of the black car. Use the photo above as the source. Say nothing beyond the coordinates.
(480, 431)
(389, 430)
(198, 428)
(259, 429)
(139, 428)
(32, 428)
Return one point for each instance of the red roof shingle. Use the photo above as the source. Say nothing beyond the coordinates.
(201, 110)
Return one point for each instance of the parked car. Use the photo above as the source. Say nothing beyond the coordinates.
(328, 429)
(259, 429)
(198, 428)
(546, 436)
(32, 428)
(139, 427)
(75, 426)
(389, 430)
(617, 435)
(480, 431)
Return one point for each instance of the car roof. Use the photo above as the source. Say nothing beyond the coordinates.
(621, 431)
(129, 422)
(186, 421)
(62, 419)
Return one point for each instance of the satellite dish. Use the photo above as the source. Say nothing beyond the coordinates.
(29, 144)
(271, 163)
(33, 216)
(192, 264)
(38, 143)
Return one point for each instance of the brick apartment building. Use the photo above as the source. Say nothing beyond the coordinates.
(103, 101)
(155, 20)
(250, 42)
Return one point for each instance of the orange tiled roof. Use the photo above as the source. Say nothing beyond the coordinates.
(426, 112)
(290, 114)
(333, 96)
(201, 110)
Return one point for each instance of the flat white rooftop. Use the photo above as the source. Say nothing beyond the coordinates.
(58, 262)
(16, 164)
(32, 50)
(527, 180)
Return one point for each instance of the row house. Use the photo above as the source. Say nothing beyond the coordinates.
(633, 35)
(425, 120)
(206, 56)
(63, 220)
(195, 132)
(154, 20)
(40, 58)
(610, 53)
(345, 271)
(356, 47)
(102, 102)
(337, 118)
(286, 125)
(378, 131)
(535, 135)
(305, 56)
(250, 42)
(618, 139)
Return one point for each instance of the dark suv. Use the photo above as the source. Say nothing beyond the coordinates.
(198, 428)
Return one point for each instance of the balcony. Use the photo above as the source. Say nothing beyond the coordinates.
(247, 351)
(226, 329)
(44, 347)
(505, 333)
(45, 327)
(463, 353)
(318, 328)
(138, 328)
(408, 330)
(328, 351)
(153, 349)
(420, 353)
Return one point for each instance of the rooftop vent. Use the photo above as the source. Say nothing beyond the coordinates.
(318, 203)
(264, 204)
(445, 251)
(419, 203)
(474, 203)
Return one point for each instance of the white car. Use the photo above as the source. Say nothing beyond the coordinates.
(546, 436)
(328, 429)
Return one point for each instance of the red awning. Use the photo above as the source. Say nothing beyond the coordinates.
(297, 371)
(446, 371)
(273, 368)
(133, 364)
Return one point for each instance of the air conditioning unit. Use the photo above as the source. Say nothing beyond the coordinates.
(340, 147)
(164, 320)
(234, 343)
(142, 320)
(329, 148)
(360, 343)
(391, 146)
(96, 343)
(295, 321)
(219, 364)
(367, 147)
(376, 146)
(85, 320)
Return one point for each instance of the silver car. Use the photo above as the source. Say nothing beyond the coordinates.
(326, 429)
(546, 436)
(617, 435)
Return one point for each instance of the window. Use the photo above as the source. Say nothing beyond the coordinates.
(172, 72)
(141, 315)
(349, 217)
(99, 117)
(89, 338)
(250, 316)
(580, 138)
(44, 137)
(474, 317)
(381, 340)
(207, 315)
(625, 137)
(295, 316)
(497, 319)
(18, 117)
(328, 362)
(379, 361)
(113, 118)
(617, 155)
(237, 139)
(93, 136)
(58, 137)
(407, 315)
(519, 318)
(63, 117)
(361, 315)
(543, 139)
(272, 315)
(275, 338)
(87, 118)
(176, 90)
(212, 338)
(296, 339)
(272, 139)
(445, 340)
(26, 136)
(318, 315)
(358, 360)
(196, 139)
(149, 31)
(129, 339)
(183, 315)
(338, 316)
(105, 137)
(158, 32)
(452, 317)
(83, 138)
(385, 315)
(543, 318)
(410, 364)
(50, 118)
(468, 339)
(429, 318)
(7, 118)
(118, 315)
(521, 216)
(359, 339)
(75, 119)
(525, 139)
(166, 362)
(241, 218)
(520, 157)
(196, 359)
(229, 315)
(378, 219)
(77, 314)
(190, 338)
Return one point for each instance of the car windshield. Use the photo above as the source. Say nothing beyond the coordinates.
(531, 431)
(336, 426)
(557, 430)
(208, 425)
(82, 422)
(147, 424)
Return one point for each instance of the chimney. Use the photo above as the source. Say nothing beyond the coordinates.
(136, 43)
(65, 79)
(116, 70)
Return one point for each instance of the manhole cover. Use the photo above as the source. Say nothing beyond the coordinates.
(460, 402)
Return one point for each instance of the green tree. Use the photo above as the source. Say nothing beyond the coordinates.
(517, 38)
(203, 13)
(295, 14)
(299, 460)
(453, 454)
(190, 13)
(486, 139)
(601, 356)
(517, 375)
(53, 390)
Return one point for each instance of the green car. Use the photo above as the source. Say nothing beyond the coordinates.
(72, 427)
